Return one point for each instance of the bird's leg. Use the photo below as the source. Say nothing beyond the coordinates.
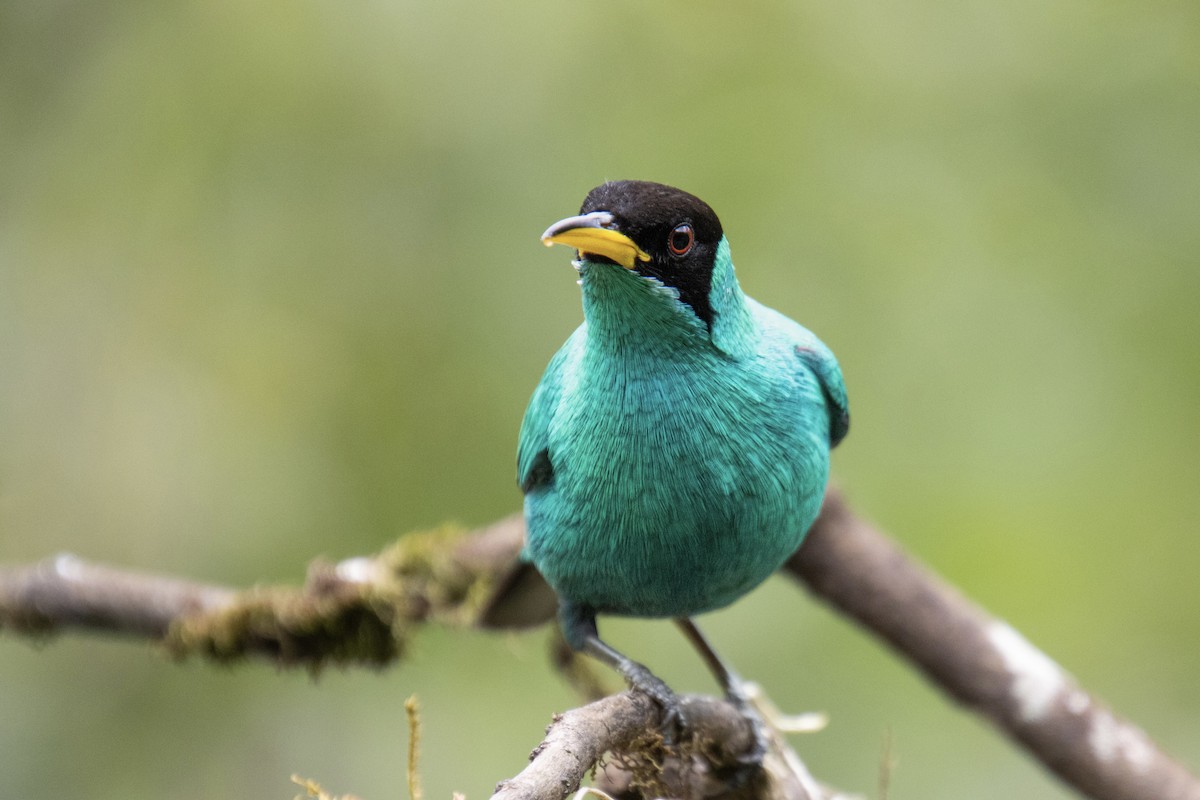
(733, 685)
(579, 629)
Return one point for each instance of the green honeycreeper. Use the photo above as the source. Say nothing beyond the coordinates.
(676, 450)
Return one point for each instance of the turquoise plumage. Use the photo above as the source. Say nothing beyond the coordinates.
(676, 450)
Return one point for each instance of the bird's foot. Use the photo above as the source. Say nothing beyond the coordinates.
(768, 722)
(579, 628)
(641, 679)
(742, 695)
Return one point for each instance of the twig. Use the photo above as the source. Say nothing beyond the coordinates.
(412, 709)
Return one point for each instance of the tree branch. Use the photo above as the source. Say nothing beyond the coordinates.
(982, 662)
(359, 611)
(65, 592)
(622, 730)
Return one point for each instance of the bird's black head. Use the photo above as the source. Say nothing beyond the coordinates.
(656, 230)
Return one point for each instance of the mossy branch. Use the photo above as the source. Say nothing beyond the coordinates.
(357, 612)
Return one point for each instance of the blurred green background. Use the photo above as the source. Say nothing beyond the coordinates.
(270, 287)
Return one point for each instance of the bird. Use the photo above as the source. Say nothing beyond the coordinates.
(677, 448)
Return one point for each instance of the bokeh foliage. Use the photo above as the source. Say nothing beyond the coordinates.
(270, 287)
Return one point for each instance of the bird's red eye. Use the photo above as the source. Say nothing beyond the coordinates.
(681, 240)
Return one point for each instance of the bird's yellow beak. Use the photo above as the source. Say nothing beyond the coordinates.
(593, 233)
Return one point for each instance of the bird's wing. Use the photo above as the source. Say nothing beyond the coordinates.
(523, 597)
(819, 358)
(534, 467)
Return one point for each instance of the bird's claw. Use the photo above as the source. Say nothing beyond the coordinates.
(740, 695)
(641, 679)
